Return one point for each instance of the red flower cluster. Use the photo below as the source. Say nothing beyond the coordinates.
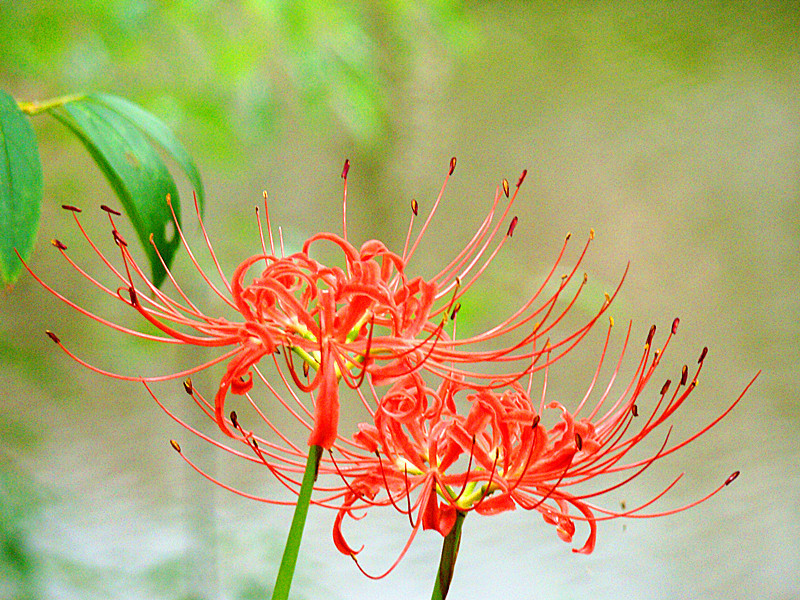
(453, 426)
(463, 447)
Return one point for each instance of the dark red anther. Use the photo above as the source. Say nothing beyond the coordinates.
(234, 419)
(684, 374)
(134, 298)
(536, 420)
(58, 244)
(522, 177)
(305, 369)
(175, 446)
(53, 336)
(187, 385)
(505, 187)
(732, 478)
(456, 308)
(512, 226)
(452, 165)
(675, 324)
(414, 207)
(650, 335)
(665, 387)
(346, 168)
(578, 442)
(635, 410)
(70, 207)
(110, 210)
(118, 238)
(703, 355)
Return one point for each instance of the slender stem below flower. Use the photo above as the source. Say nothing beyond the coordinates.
(286, 571)
(447, 564)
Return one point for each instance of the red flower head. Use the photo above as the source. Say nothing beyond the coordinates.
(365, 317)
(433, 453)
(329, 317)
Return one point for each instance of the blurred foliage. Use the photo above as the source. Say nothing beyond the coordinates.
(233, 70)
(19, 501)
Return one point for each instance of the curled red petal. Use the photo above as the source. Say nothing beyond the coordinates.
(338, 537)
(326, 407)
(496, 504)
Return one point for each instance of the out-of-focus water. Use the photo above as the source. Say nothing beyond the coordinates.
(676, 137)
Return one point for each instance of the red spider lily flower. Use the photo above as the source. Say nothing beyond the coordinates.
(366, 317)
(429, 460)
(471, 440)
(324, 315)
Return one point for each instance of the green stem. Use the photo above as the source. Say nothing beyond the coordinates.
(35, 108)
(447, 564)
(286, 571)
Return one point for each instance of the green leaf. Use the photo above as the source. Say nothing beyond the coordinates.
(158, 130)
(20, 188)
(118, 135)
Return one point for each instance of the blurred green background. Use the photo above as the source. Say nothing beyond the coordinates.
(671, 128)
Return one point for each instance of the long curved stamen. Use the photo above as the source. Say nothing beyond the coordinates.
(227, 487)
(488, 487)
(345, 170)
(408, 495)
(527, 460)
(414, 212)
(386, 485)
(433, 210)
